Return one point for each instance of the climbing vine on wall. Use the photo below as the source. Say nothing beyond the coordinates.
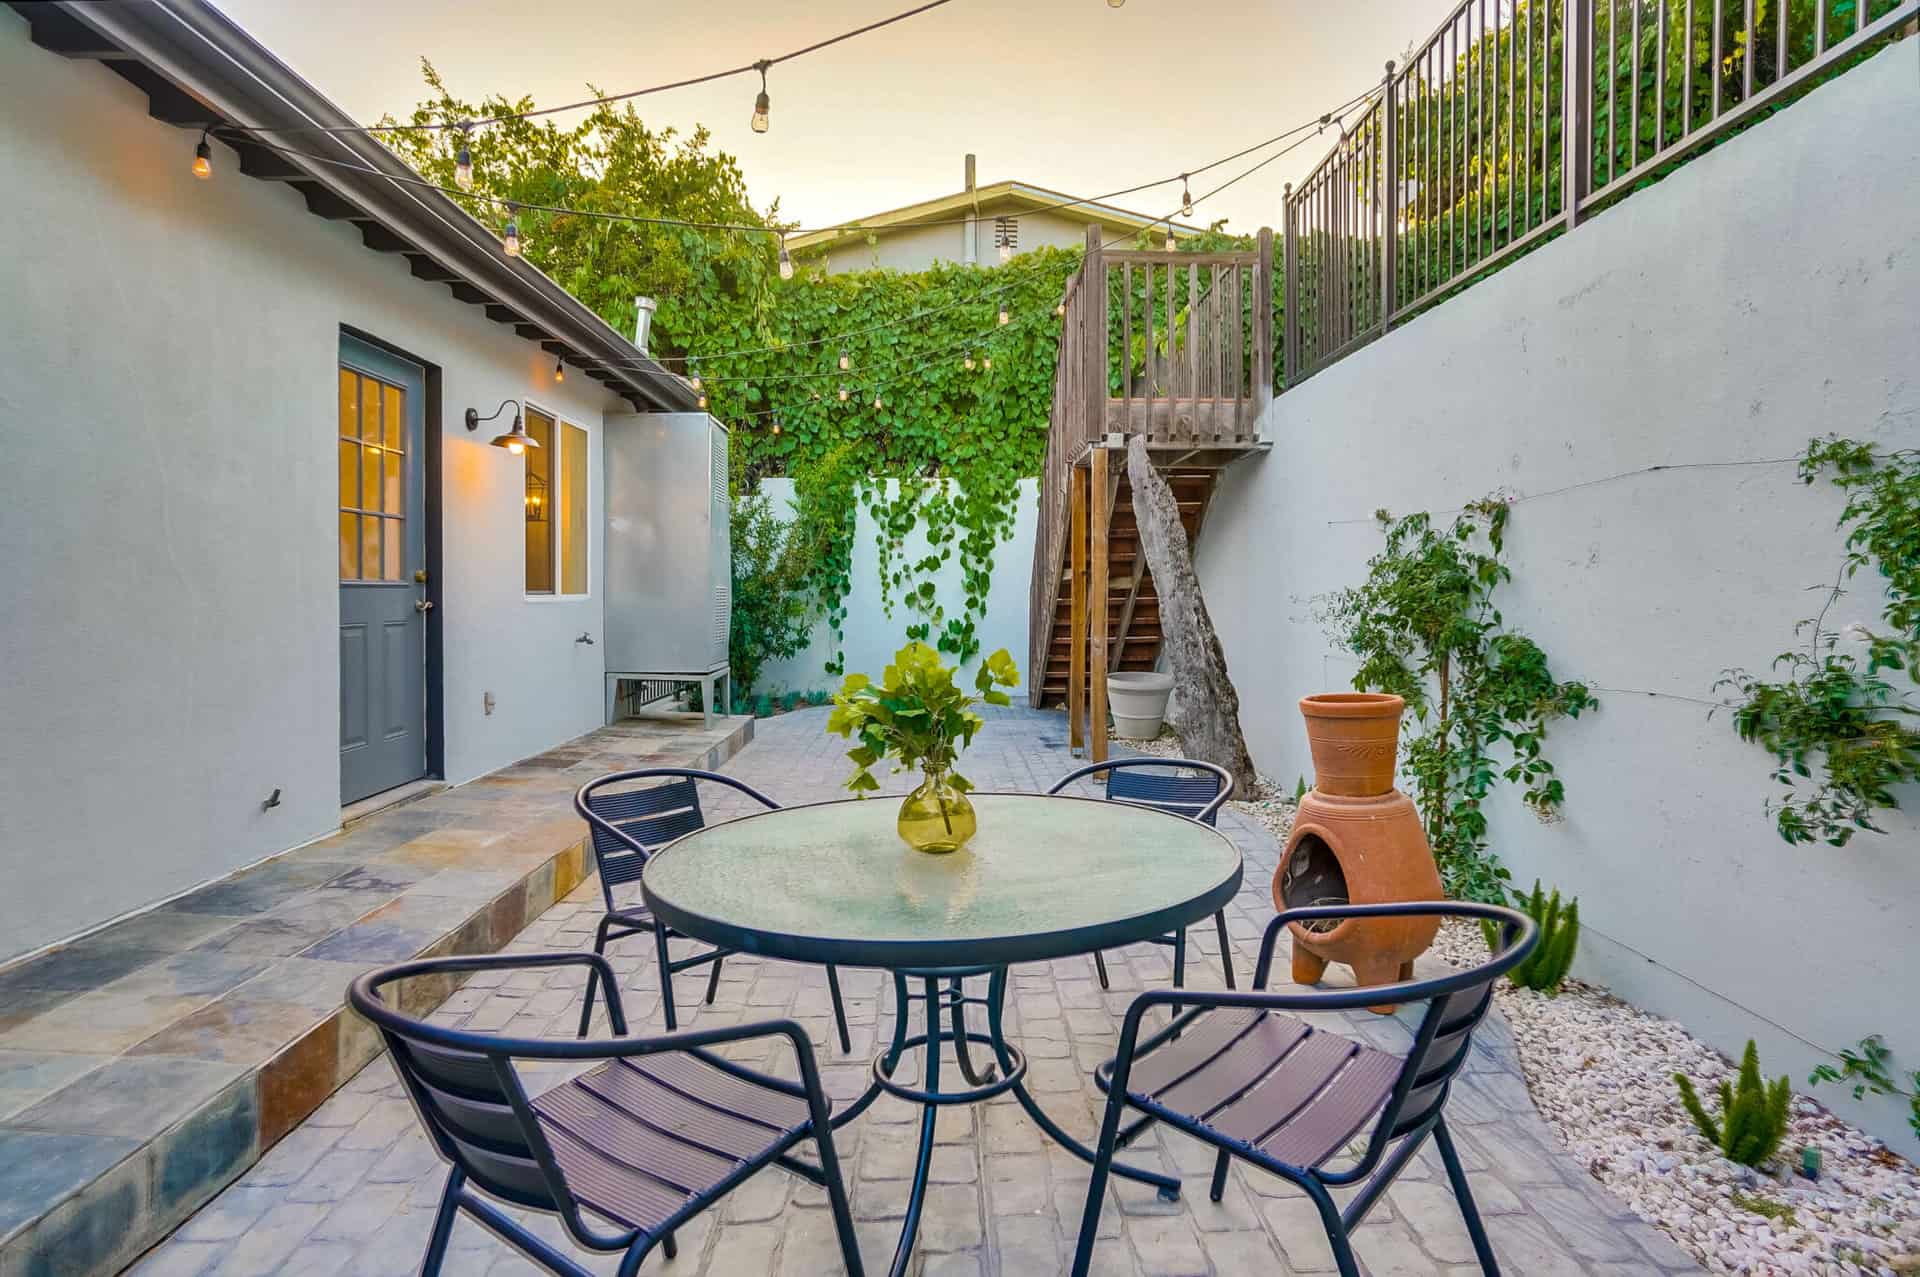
(961, 420)
(1425, 627)
(1841, 734)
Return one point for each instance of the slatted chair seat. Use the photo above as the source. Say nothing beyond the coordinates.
(1160, 784)
(627, 825)
(1239, 1072)
(655, 1132)
(1266, 1080)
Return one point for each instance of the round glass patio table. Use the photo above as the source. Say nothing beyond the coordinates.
(1045, 877)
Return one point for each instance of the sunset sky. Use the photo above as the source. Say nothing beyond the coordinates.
(1067, 94)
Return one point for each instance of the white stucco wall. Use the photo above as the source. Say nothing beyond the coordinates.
(872, 637)
(1768, 292)
(167, 508)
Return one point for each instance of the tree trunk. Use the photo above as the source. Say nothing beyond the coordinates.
(1208, 708)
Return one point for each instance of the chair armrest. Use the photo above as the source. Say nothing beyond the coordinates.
(462, 963)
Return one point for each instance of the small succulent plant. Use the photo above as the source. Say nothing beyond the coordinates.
(1753, 1112)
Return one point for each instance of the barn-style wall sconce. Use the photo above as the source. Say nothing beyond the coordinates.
(516, 440)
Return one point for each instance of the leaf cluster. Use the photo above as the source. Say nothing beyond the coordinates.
(916, 715)
(1753, 1113)
(1545, 969)
(1835, 719)
(1870, 1069)
(1424, 627)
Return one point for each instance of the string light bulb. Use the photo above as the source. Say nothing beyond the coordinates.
(1186, 197)
(986, 364)
(703, 402)
(1060, 311)
(1006, 252)
(559, 371)
(845, 363)
(1115, 4)
(695, 370)
(877, 402)
(511, 242)
(463, 161)
(844, 394)
(786, 260)
(776, 425)
(762, 102)
(1171, 246)
(1005, 318)
(203, 159)
(968, 364)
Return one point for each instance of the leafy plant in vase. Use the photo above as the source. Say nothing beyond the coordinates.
(918, 717)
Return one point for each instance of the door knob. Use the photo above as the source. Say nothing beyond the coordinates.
(422, 605)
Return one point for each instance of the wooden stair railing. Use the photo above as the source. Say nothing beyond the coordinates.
(1177, 347)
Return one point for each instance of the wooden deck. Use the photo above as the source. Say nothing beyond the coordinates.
(1175, 347)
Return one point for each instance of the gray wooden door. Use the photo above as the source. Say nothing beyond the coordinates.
(383, 593)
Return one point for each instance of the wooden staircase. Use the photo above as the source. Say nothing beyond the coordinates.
(1194, 385)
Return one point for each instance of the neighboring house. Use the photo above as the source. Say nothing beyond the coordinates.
(972, 226)
(258, 566)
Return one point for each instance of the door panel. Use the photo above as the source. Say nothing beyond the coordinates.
(382, 546)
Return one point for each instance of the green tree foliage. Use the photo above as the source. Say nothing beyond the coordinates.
(1545, 969)
(916, 715)
(1753, 1113)
(1842, 736)
(772, 612)
(1424, 627)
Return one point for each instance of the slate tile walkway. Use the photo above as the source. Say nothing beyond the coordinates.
(353, 1189)
(144, 1065)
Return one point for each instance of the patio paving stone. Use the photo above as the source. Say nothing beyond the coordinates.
(1004, 1200)
(144, 1066)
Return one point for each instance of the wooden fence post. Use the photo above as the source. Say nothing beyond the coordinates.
(1076, 609)
(1099, 520)
(1093, 335)
(1576, 125)
(1262, 326)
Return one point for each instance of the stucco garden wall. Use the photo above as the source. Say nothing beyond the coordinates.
(1768, 292)
(872, 637)
(168, 413)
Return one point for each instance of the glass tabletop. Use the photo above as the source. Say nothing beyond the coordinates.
(1043, 878)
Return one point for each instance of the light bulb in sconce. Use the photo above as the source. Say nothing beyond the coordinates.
(203, 159)
(559, 371)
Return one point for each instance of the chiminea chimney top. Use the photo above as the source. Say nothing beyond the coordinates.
(969, 170)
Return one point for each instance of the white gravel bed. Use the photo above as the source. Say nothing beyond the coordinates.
(1601, 1073)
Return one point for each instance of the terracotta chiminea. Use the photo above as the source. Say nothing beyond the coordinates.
(1356, 839)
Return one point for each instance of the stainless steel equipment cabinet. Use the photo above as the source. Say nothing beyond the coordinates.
(669, 574)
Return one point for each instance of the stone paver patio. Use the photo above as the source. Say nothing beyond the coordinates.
(353, 1189)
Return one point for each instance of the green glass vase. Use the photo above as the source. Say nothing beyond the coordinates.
(936, 817)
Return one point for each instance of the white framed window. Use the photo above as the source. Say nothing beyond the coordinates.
(557, 498)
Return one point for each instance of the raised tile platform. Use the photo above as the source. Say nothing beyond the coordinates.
(144, 1066)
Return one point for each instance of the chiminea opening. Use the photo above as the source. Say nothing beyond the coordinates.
(1314, 877)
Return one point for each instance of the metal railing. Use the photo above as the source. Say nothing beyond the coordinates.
(1465, 158)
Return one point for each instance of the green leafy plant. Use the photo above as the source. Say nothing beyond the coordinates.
(916, 715)
(1870, 1068)
(1753, 1113)
(1841, 735)
(773, 613)
(1424, 626)
(1545, 969)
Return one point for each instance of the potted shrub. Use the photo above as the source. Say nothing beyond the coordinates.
(918, 716)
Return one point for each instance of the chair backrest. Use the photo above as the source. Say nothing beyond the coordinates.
(1157, 783)
(474, 1109)
(628, 825)
(1441, 1044)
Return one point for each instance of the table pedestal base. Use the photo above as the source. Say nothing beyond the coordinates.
(1006, 1071)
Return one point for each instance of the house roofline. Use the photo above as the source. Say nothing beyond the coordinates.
(201, 70)
(1095, 211)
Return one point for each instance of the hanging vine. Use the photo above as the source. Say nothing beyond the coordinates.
(1424, 627)
(1841, 735)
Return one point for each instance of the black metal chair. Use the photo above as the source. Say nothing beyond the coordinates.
(1233, 1071)
(628, 826)
(1155, 782)
(658, 1131)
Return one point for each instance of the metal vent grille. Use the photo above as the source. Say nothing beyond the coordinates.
(1006, 232)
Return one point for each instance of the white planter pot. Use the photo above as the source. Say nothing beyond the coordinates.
(1139, 702)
